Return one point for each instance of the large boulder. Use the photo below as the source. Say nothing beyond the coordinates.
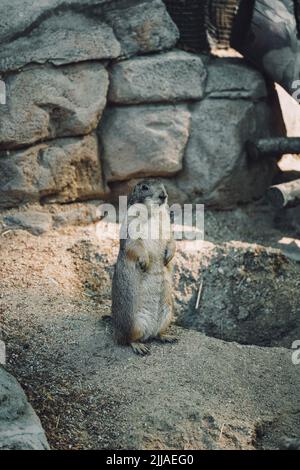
(47, 102)
(249, 294)
(216, 168)
(233, 78)
(20, 428)
(143, 140)
(62, 32)
(35, 221)
(141, 26)
(291, 444)
(60, 38)
(174, 76)
(61, 170)
(288, 220)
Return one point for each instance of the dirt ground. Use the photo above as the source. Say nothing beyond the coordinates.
(55, 289)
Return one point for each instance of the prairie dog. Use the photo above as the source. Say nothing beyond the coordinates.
(142, 303)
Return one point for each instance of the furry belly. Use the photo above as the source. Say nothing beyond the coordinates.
(152, 313)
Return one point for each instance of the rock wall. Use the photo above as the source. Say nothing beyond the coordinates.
(98, 96)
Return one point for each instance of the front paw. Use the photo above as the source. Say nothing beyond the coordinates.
(143, 263)
(166, 257)
(169, 254)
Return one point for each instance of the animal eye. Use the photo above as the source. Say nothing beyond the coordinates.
(145, 187)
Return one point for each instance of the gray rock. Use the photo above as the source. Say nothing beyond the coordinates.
(143, 140)
(79, 38)
(20, 428)
(34, 221)
(288, 220)
(174, 76)
(250, 293)
(83, 29)
(142, 27)
(291, 250)
(216, 168)
(38, 219)
(235, 79)
(21, 14)
(78, 214)
(62, 170)
(290, 444)
(47, 102)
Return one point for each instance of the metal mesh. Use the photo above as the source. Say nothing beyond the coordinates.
(189, 16)
(208, 23)
(219, 19)
(203, 23)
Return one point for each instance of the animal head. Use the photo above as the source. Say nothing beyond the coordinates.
(149, 192)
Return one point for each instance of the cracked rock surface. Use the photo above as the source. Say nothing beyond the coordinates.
(84, 30)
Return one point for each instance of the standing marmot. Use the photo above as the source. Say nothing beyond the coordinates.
(142, 304)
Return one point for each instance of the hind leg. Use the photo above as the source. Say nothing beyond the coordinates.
(166, 338)
(136, 343)
(163, 336)
(169, 252)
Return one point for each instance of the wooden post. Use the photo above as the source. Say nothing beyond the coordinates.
(285, 194)
(219, 22)
(273, 147)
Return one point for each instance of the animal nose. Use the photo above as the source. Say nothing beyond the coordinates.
(162, 196)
